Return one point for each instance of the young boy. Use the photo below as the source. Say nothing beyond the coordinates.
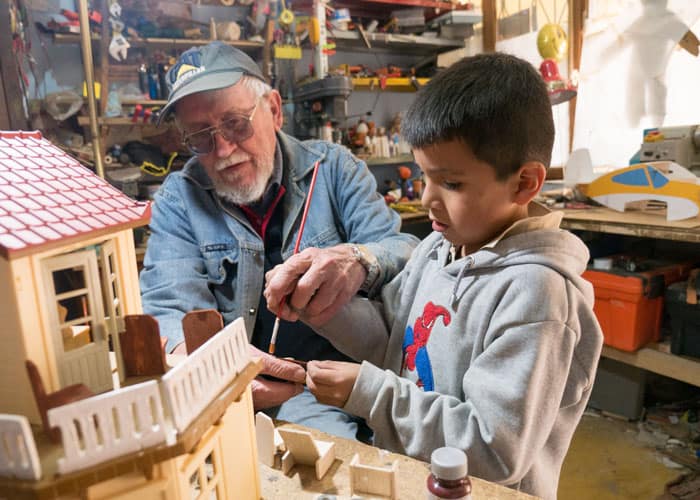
(487, 339)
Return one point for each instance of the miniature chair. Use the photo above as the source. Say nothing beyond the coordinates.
(142, 348)
(305, 450)
(373, 480)
(74, 336)
(45, 401)
(268, 439)
(199, 326)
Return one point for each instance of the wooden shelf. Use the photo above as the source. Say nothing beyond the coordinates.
(605, 220)
(145, 102)
(72, 38)
(116, 121)
(245, 45)
(392, 160)
(429, 4)
(391, 84)
(655, 358)
(380, 9)
(413, 44)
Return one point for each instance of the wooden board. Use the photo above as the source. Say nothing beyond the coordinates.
(302, 484)
(656, 358)
(605, 220)
(602, 214)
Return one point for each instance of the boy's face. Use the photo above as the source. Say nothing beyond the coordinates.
(466, 201)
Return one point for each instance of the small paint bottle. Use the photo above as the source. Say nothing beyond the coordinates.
(448, 478)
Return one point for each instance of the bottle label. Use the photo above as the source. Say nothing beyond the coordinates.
(433, 497)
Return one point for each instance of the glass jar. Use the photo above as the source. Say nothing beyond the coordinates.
(448, 478)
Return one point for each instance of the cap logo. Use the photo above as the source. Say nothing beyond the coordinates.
(184, 73)
(189, 65)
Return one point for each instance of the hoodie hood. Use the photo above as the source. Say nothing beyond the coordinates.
(555, 248)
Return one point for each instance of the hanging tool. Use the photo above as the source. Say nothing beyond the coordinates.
(286, 17)
(276, 327)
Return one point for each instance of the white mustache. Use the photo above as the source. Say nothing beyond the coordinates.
(235, 158)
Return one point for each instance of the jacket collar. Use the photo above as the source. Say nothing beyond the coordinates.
(299, 157)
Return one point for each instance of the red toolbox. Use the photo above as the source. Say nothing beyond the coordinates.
(629, 298)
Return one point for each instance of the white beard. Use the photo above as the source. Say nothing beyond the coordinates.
(244, 194)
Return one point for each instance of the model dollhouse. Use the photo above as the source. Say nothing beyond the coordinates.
(68, 267)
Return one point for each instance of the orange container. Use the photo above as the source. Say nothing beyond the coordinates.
(629, 305)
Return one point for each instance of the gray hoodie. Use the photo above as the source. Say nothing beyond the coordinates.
(494, 353)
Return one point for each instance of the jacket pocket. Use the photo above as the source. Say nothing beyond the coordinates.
(222, 268)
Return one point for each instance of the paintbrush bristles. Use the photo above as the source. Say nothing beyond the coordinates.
(273, 339)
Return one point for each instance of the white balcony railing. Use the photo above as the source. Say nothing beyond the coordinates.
(109, 425)
(190, 386)
(127, 420)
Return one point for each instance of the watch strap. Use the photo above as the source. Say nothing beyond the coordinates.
(369, 262)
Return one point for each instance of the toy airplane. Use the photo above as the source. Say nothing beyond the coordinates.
(647, 185)
(665, 181)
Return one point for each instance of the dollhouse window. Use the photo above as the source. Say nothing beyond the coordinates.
(205, 481)
(72, 302)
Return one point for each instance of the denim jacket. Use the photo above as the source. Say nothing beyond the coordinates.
(202, 255)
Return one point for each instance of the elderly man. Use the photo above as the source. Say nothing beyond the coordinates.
(234, 212)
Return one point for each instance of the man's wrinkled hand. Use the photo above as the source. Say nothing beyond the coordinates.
(314, 284)
(331, 381)
(269, 393)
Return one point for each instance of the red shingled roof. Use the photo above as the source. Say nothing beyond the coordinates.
(48, 199)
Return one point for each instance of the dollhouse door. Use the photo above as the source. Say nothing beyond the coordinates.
(76, 319)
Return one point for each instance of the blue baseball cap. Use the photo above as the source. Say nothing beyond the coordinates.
(209, 67)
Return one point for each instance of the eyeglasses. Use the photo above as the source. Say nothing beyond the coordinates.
(235, 129)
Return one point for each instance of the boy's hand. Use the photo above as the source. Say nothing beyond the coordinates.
(331, 381)
(269, 393)
(314, 284)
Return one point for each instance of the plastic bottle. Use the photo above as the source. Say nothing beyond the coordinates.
(114, 104)
(153, 90)
(143, 79)
(448, 478)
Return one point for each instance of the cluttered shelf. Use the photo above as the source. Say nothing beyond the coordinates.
(439, 5)
(655, 357)
(389, 160)
(245, 45)
(416, 44)
(389, 84)
(116, 120)
(643, 225)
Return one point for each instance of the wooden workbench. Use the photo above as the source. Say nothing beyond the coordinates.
(639, 224)
(301, 483)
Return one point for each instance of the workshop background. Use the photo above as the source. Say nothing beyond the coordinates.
(623, 86)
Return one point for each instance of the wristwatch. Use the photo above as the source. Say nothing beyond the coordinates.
(369, 262)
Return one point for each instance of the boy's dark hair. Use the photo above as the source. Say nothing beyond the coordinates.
(497, 104)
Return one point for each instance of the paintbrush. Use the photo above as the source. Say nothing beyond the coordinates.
(276, 327)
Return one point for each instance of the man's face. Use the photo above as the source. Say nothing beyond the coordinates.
(239, 170)
(466, 202)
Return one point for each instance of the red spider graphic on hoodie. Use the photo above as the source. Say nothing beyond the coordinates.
(415, 340)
